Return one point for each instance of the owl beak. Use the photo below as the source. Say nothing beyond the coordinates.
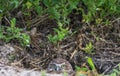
(58, 69)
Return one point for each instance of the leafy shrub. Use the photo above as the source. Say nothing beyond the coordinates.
(60, 9)
(100, 9)
(31, 5)
(61, 33)
(6, 6)
(13, 32)
(85, 71)
(97, 10)
(89, 48)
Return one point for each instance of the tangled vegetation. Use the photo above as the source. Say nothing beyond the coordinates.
(18, 17)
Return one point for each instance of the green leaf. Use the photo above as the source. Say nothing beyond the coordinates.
(80, 69)
(73, 3)
(54, 13)
(46, 3)
(13, 22)
(113, 74)
(24, 39)
(116, 71)
(14, 3)
(28, 4)
(89, 60)
(38, 9)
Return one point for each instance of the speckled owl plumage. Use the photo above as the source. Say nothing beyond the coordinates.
(59, 65)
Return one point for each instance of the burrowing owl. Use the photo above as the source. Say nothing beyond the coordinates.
(59, 65)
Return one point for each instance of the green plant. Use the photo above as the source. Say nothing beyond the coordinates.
(6, 6)
(65, 74)
(60, 34)
(60, 9)
(13, 32)
(80, 69)
(31, 5)
(1, 32)
(90, 62)
(85, 71)
(43, 73)
(89, 48)
(100, 9)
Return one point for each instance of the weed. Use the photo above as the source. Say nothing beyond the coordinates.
(89, 60)
(6, 6)
(65, 74)
(89, 48)
(13, 32)
(85, 71)
(91, 64)
(81, 71)
(30, 5)
(83, 68)
(60, 9)
(100, 9)
(61, 33)
(43, 73)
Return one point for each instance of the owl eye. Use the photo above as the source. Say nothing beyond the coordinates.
(63, 66)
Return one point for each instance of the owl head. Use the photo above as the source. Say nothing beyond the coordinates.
(59, 65)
